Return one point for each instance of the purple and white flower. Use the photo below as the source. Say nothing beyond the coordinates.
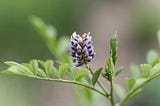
(81, 48)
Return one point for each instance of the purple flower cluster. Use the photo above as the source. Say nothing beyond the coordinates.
(81, 48)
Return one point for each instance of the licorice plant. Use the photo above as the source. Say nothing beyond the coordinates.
(76, 65)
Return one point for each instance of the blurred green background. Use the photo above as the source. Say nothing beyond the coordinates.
(136, 22)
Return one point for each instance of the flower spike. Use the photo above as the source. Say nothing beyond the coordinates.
(81, 48)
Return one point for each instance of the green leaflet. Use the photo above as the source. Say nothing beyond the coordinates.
(135, 70)
(49, 68)
(38, 71)
(110, 65)
(155, 69)
(18, 67)
(13, 71)
(33, 69)
(63, 45)
(80, 73)
(96, 75)
(70, 74)
(47, 32)
(62, 69)
(114, 48)
(130, 83)
(146, 68)
(156, 61)
(151, 56)
(121, 69)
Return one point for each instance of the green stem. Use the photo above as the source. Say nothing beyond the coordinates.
(140, 86)
(132, 92)
(72, 82)
(111, 92)
(99, 83)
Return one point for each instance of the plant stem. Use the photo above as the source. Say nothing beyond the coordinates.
(72, 82)
(132, 92)
(140, 86)
(111, 92)
(99, 83)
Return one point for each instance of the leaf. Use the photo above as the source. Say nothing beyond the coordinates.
(119, 71)
(48, 67)
(66, 58)
(88, 94)
(110, 65)
(96, 75)
(62, 69)
(146, 68)
(130, 83)
(22, 68)
(156, 61)
(114, 48)
(151, 56)
(80, 73)
(36, 69)
(29, 66)
(47, 32)
(88, 78)
(140, 82)
(55, 72)
(13, 71)
(63, 45)
(70, 74)
(155, 69)
(135, 70)
(120, 91)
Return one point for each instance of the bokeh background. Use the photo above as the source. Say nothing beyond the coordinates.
(136, 22)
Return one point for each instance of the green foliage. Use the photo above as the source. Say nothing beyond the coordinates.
(135, 70)
(112, 59)
(114, 48)
(146, 68)
(96, 75)
(109, 69)
(151, 56)
(30, 69)
(18, 69)
(121, 69)
(48, 33)
(130, 83)
(55, 71)
(62, 69)
(155, 70)
(81, 73)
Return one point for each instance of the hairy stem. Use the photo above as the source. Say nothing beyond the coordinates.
(72, 82)
(111, 92)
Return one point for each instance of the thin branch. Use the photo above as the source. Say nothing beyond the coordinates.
(72, 82)
(133, 91)
(112, 90)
